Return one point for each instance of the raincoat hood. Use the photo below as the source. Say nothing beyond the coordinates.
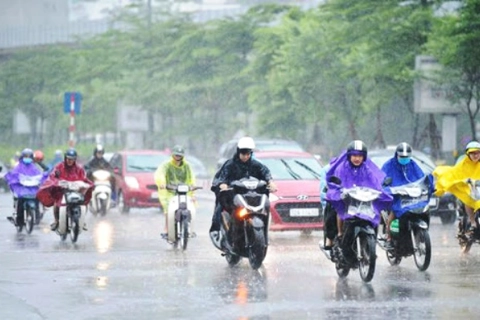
(366, 175)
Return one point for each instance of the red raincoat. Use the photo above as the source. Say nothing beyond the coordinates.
(51, 193)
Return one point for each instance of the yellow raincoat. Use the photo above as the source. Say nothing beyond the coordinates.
(452, 179)
(169, 173)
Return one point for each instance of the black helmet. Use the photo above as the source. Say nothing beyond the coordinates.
(98, 148)
(71, 154)
(403, 150)
(357, 147)
(27, 153)
(178, 151)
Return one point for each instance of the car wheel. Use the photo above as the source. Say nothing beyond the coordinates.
(122, 207)
(448, 218)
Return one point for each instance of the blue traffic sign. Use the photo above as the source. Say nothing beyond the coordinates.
(72, 97)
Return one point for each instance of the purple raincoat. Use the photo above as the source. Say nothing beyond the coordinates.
(18, 174)
(366, 175)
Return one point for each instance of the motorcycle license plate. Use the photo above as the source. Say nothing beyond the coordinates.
(154, 195)
(304, 212)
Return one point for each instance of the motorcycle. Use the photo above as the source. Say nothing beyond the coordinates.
(356, 249)
(72, 209)
(181, 214)
(466, 238)
(101, 195)
(244, 221)
(410, 231)
(32, 214)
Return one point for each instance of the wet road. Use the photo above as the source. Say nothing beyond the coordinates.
(121, 269)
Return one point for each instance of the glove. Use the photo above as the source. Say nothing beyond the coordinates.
(223, 186)
(272, 186)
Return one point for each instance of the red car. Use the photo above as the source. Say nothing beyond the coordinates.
(296, 205)
(134, 176)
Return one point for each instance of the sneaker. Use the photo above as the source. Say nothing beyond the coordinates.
(192, 235)
(216, 237)
(388, 244)
(54, 226)
(85, 227)
(164, 235)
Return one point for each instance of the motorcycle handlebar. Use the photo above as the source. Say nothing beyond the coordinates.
(173, 187)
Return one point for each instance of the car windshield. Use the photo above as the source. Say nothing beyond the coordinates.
(293, 168)
(144, 162)
(272, 146)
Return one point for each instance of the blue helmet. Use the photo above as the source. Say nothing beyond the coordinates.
(27, 153)
(71, 154)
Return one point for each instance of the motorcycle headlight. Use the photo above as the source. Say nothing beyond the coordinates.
(132, 182)
(74, 197)
(101, 175)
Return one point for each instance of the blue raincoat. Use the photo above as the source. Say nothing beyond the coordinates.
(402, 175)
(366, 175)
(14, 177)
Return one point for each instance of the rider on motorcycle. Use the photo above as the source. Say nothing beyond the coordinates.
(25, 167)
(172, 172)
(67, 170)
(98, 162)
(38, 157)
(354, 169)
(466, 168)
(402, 169)
(242, 165)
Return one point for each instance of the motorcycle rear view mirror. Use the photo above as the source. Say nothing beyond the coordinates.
(335, 180)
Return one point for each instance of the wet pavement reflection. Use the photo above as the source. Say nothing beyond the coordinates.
(121, 269)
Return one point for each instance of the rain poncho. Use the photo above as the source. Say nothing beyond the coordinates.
(51, 193)
(366, 175)
(170, 173)
(13, 178)
(402, 175)
(451, 178)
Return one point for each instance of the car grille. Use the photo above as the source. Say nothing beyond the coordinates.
(283, 209)
(152, 187)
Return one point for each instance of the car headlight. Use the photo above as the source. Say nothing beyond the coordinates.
(273, 197)
(132, 182)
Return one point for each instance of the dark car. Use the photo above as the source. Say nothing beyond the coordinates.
(228, 149)
(445, 206)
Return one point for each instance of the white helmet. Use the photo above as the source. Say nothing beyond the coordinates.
(246, 143)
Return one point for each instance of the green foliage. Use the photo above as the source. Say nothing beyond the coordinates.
(321, 76)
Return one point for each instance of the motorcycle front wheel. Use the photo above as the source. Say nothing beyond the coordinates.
(184, 234)
(423, 251)
(29, 219)
(464, 241)
(103, 208)
(74, 230)
(366, 265)
(258, 249)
